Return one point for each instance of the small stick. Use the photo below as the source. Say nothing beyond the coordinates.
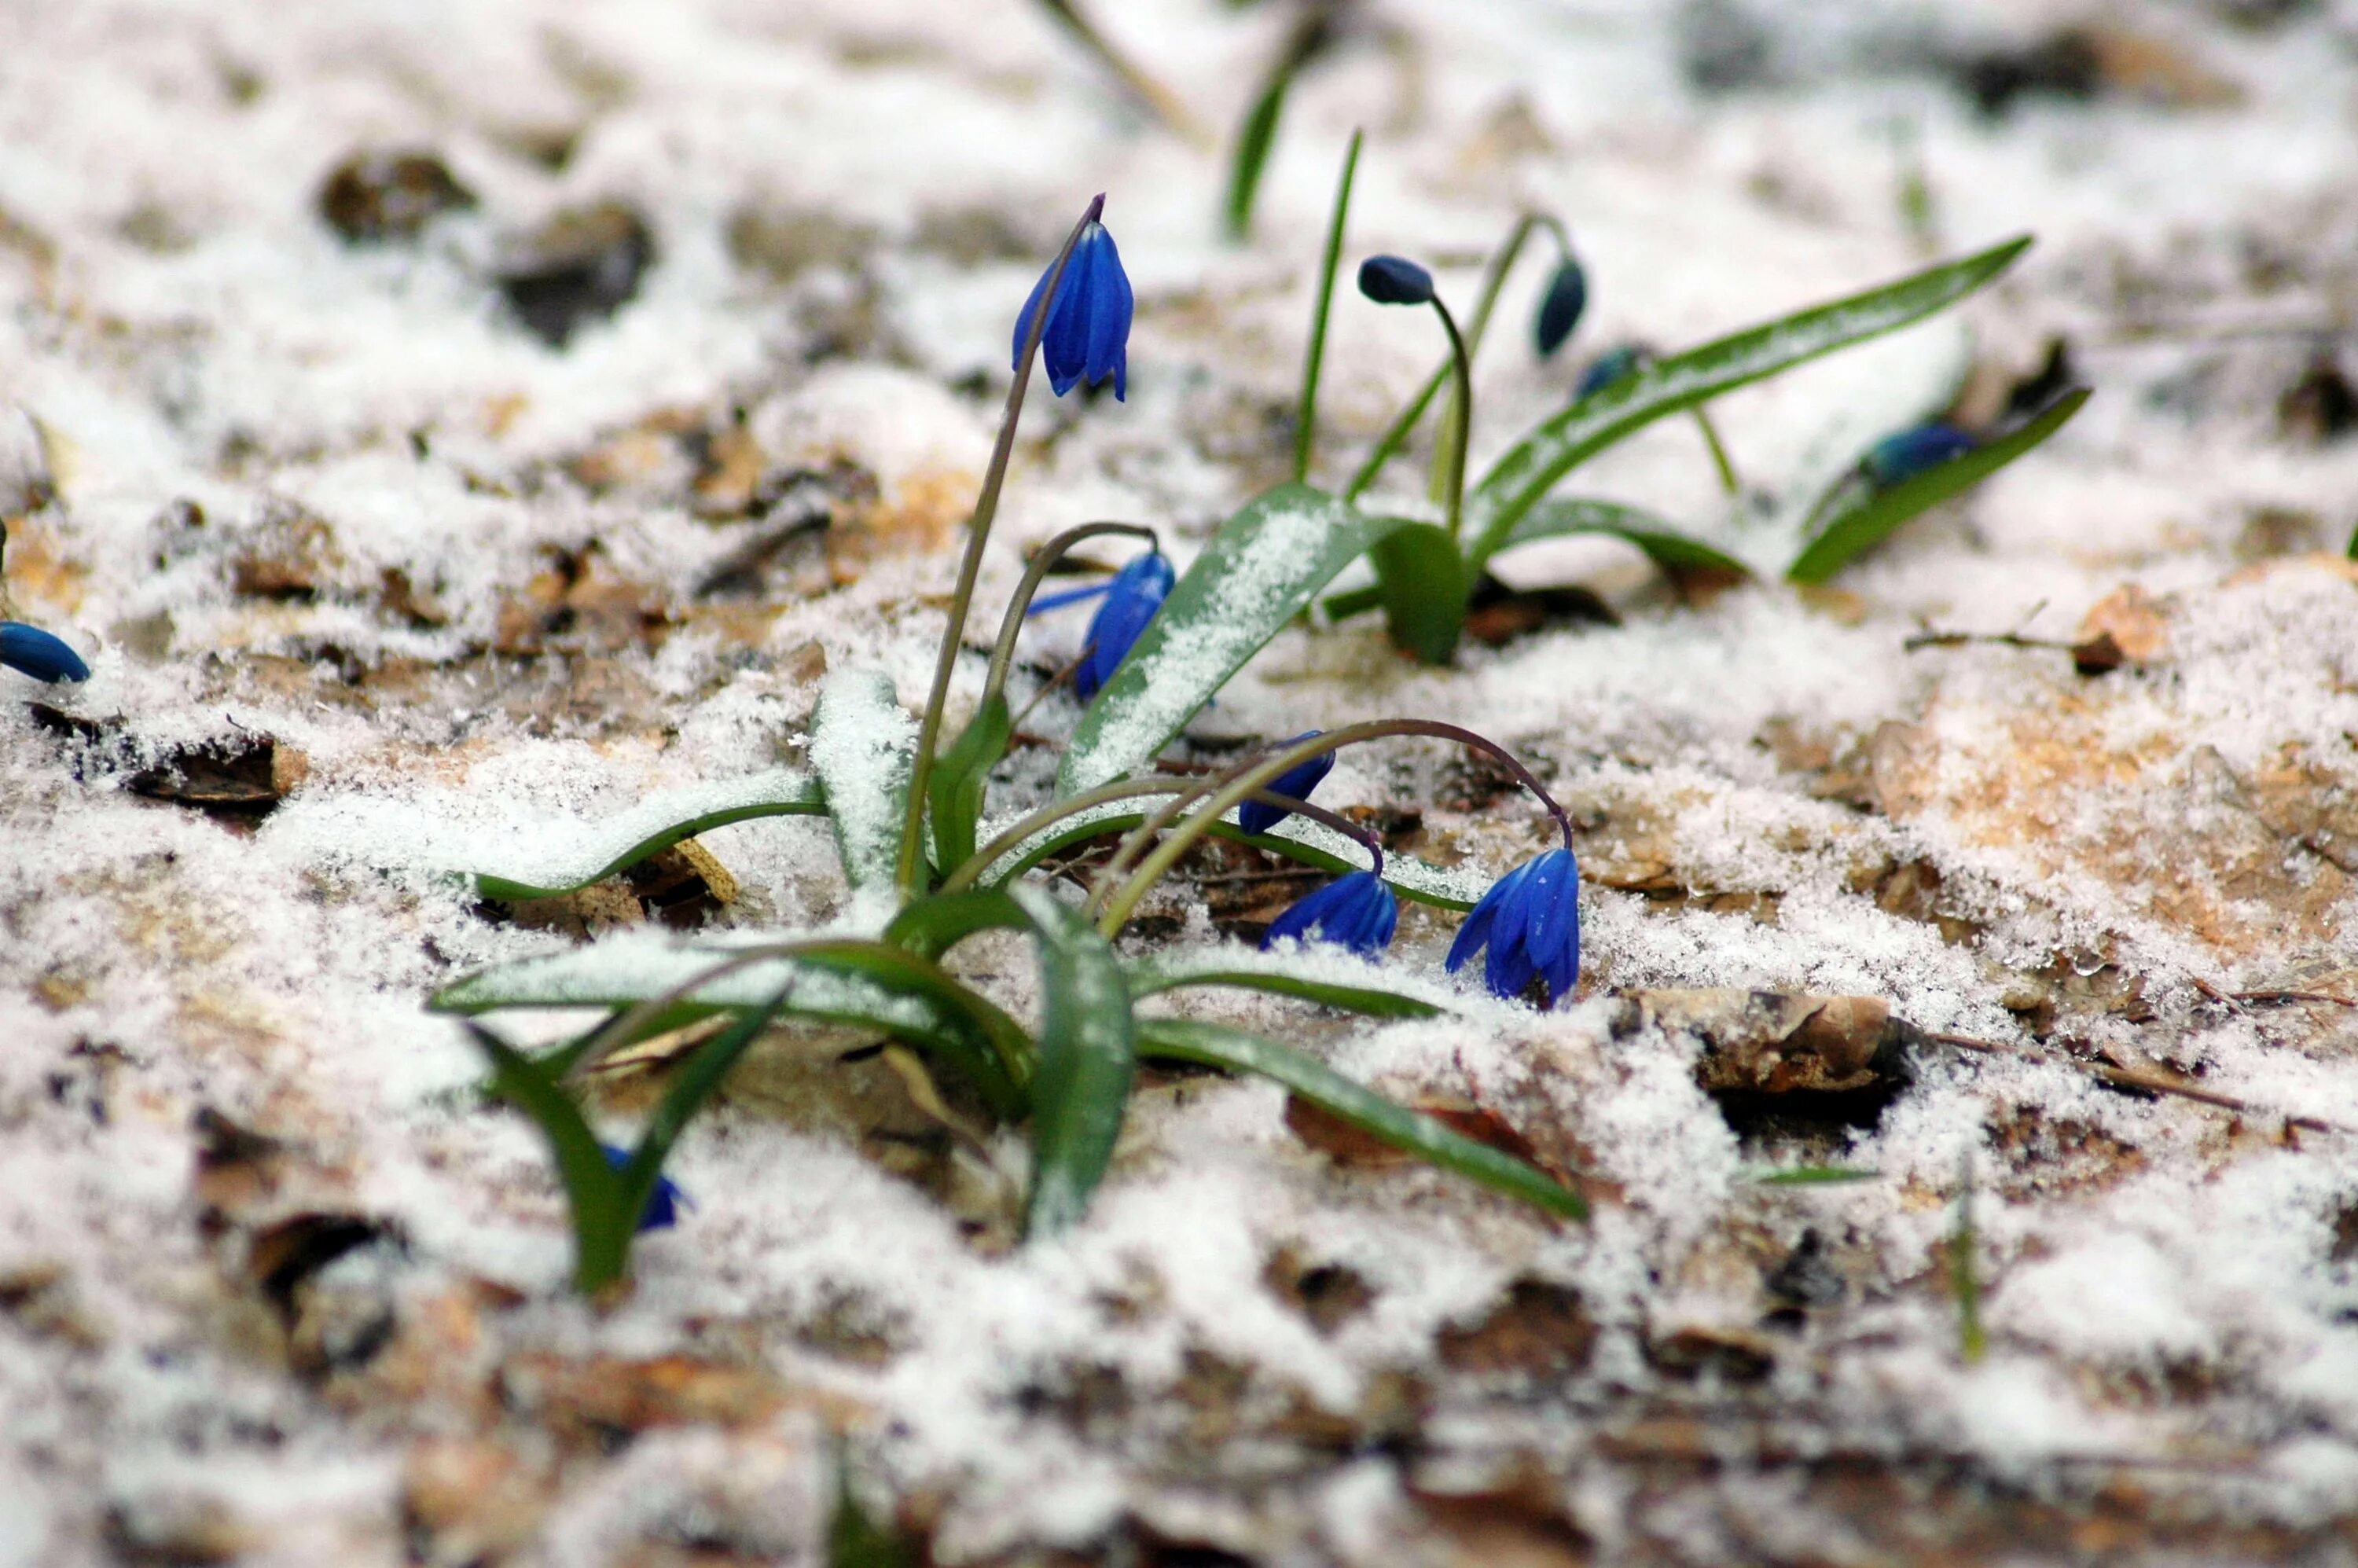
(2136, 1078)
(2280, 998)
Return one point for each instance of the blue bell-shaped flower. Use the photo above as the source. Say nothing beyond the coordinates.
(1531, 921)
(1909, 452)
(1560, 306)
(1295, 784)
(1395, 280)
(1136, 593)
(1357, 911)
(662, 1203)
(1087, 335)
(36, 652)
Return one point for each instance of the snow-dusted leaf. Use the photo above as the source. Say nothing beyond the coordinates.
(1087, 1061)
(864, 744)
(1328, 975)
(955, 792)
(1531, 467)
(1259, 571)
(1209, 1044)
(1674, 550)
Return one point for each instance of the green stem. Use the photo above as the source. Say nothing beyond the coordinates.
(1043, 561)
(1225, 790)
(1305, 427)
(909, 871)
(1727, 480)
(1449, 458)
(1493, 281)
(1165, 104)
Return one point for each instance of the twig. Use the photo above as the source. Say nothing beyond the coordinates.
(2136, 1078)
(2273, 999)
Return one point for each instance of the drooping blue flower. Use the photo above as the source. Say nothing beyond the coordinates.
(1357, 911)
(1612, 365)
(1395, 280)
(1087, 335)
(1136, 593)
(662, 1203)
(1531, 921)
(38, 654)
(1294, 783)
(1909, 452)
(1560, 308)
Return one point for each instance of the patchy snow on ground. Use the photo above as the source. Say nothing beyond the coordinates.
(498, 540)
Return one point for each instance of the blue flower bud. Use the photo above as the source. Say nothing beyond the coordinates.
(1612, 365)
(1136, 593)
(1530, 921)
(1357, 911)
(36, 652)
(1560, 308)
(1087, 335)
(662, 1203)
(1294, 783)
(1395, 280)
(1909, 452)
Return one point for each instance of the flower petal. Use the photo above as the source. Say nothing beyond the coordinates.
(1111, 307)
(38, 654)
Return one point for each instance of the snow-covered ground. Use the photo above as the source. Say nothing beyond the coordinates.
(335, 494)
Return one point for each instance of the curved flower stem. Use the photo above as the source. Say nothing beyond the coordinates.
(1222, 791)
(1719, 460)
(1043, 561)
(909, 871)
(1493, 280)
(1305, 421)
(1449, 456)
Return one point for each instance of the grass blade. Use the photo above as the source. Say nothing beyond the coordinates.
(690, 1087)
(1815, 1177)
(1522, 477)
(1276, 974)
(956, 790)
(1259, 571)
(594, 1192)
(1258, 133)
(1676, 553)
(1088, 1060)
(1211, 1045)
(600, 851)
(1875, 515)
(1305, 421)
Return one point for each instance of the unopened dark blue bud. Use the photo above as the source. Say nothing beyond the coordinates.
(1560, 308)
(1395, 280)
(36, 652)
(1295, 784)
(1087, 335)
(1357, 912)
(662, 1203)
(1136, 593)
(1529, 920)
(1913, 452)
(1611, 366)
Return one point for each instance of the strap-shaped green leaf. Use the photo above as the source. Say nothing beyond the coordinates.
(863, 747)
(1259, 571)
(1668, 548)
(593, 1189)
(1088, 1060)
(934, 924)
(956, 790)
(1532, 466)
(1421, 578)
(1310, 976)
(1872, 514)
(1184, 1039)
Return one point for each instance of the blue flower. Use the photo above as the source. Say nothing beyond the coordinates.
(1134, 596)
(1560, 308)
(39, 654)
(1087, 335)
(1530, 919)
(1912, 452)
(1612, 365)
(1294, 783)
(1357, 911)
(1395, 280)
(662, 1203)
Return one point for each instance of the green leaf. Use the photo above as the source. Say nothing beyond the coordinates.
(694, 1082)
(934, 924)
(1530, 469)
(1088, 1059)
(1254, 139)
(1675, 553)
(1211, 1045)
(1310, 976)
(1314, 354)
(856, 1540)
(1259, 571)
(852, 983)
(555, 859)
(594, 1191)
(863, 745)
(955, 792)
(1814, 1176)
(1874, 514)
(1420, 579)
